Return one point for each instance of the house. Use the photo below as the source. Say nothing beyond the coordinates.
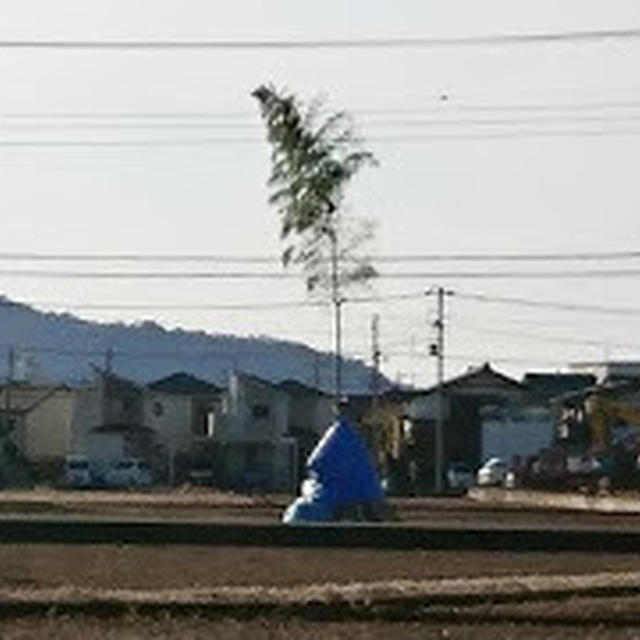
(547, 386)
(599, 417)
(184, 413)
(464, 399)
(256, 450)
(266, 431)
(609, 370)
(37, 427)
(108, 422)
(527, 427)
(309, 413)
(487, 414)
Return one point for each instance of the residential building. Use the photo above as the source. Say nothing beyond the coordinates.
(184, 413)
(108, 422)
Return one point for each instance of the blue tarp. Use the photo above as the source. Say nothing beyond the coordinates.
(340, 473)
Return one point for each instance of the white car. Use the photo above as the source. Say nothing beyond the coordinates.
(128, 472)
(493, 472)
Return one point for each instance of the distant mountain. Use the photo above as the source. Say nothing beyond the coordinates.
(64, 348)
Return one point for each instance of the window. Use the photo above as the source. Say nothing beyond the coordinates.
(211, 424)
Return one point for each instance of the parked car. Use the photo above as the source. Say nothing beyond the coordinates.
(77, 473)
(128, 472)
(493, 472)
(459, 476)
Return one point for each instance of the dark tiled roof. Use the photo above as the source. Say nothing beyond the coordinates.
(183, 384)
(485, 374)
(556, 384)
(297, 387)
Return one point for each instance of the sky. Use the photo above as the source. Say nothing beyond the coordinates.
(520, 149)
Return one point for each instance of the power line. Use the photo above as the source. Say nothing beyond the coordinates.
(596, 343)
(138, 257)
(283, 275)
(570, 256)
(174, 307)
(508, 360)
(548, 304)
(404, 123)
(474, 357)
(510, 257)
(508, 275)
(441, 109)
(512, 134)
(542, 37)
(147, 275)
(148, 306)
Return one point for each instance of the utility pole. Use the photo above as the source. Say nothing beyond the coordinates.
(375, 358)
(337, 300)
(437, 349)
(376, 423)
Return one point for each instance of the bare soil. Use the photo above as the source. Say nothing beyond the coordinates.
(32, 567)
(179, 567)
(209, 504)
(137, 628)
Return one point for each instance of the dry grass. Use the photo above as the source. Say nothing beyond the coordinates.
(441, 592)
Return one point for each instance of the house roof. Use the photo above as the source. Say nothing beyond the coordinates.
(550, 385)
(295, 387)
(608, 388)
(182, 383)
(476, 377)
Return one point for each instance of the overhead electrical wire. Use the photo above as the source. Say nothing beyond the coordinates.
(501, 39)
(423, 355)
(585, 342)
(434, 276)
(548, 304)
(507, 134)
(402, 123)
(443, 108)
(363, 299)
(150, 306)
(568, 256)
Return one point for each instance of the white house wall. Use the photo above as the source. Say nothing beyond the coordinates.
(48, 427)
(171, 417)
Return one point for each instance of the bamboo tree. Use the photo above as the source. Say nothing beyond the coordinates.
(313, 160)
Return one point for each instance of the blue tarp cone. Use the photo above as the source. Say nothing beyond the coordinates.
(340, 474)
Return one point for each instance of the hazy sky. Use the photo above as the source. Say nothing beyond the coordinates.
(535, 150)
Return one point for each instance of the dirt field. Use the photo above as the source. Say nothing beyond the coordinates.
(32, 567)
(135, 628)
(130, 567)
(208, 504)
